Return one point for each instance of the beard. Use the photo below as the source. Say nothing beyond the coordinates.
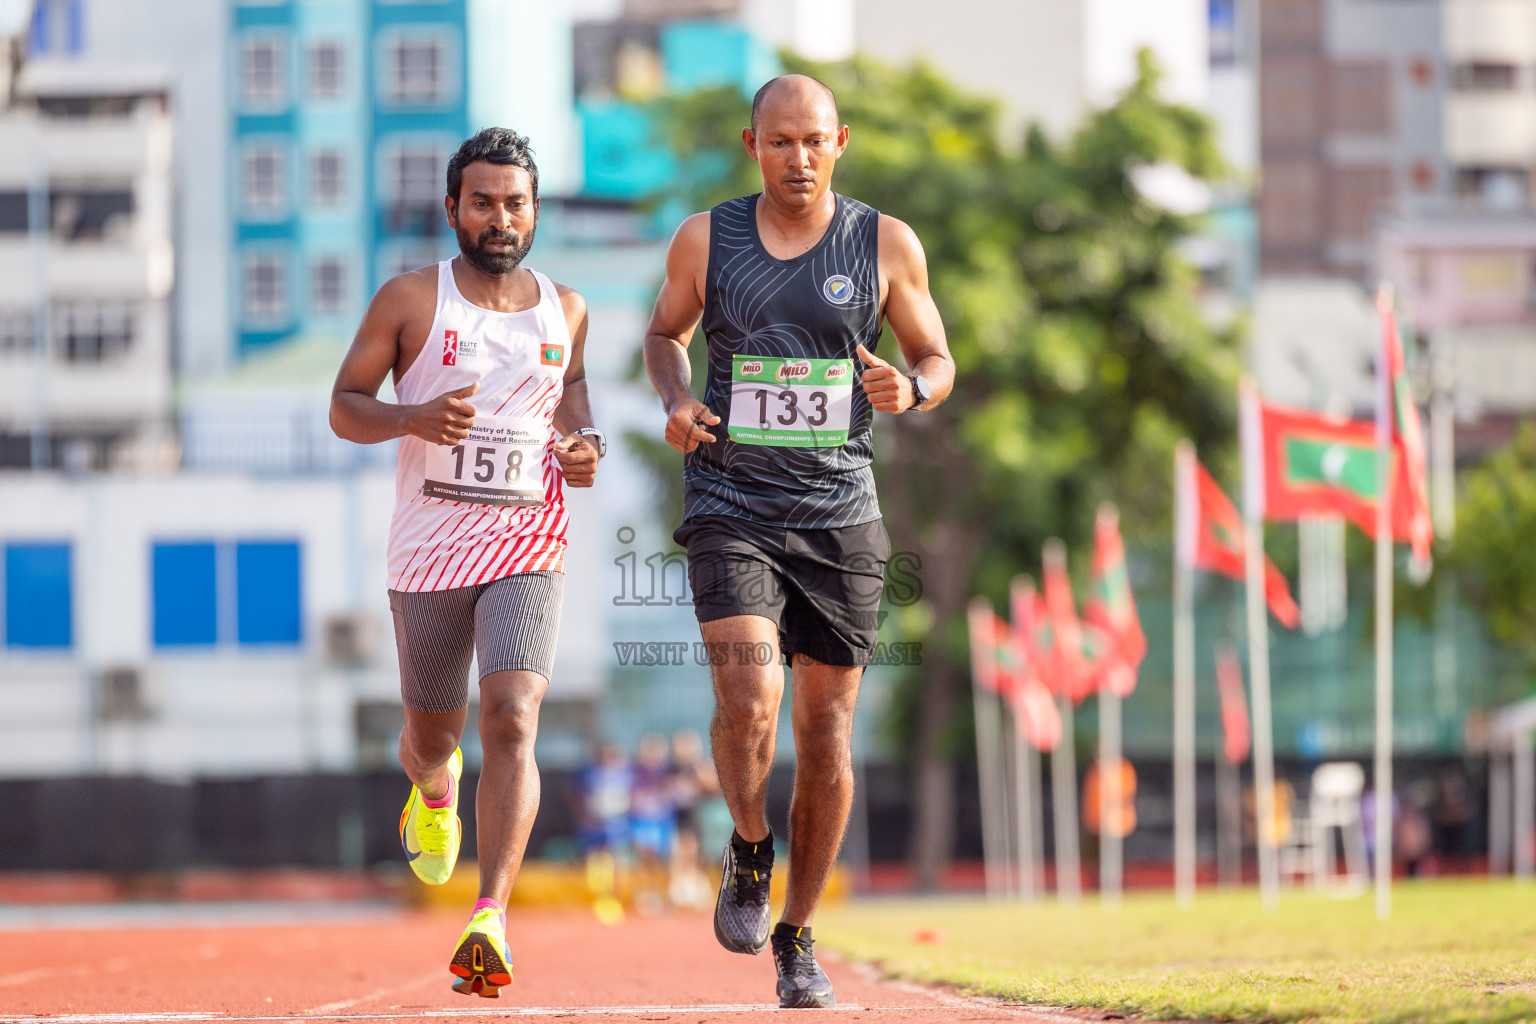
(496, 264)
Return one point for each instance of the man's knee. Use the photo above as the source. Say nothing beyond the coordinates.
(509, 714)
(430, 739)
(746, 711)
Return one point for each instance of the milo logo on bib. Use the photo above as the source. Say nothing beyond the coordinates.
(790, 403)
(793, 371)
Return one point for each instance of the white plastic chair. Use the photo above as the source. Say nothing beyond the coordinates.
(1335, 803)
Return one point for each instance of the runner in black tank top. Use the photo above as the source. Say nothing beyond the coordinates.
(786, 550)
(822, 304)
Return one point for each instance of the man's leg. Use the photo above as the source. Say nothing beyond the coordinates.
(746, 720)
(822, 715)
(508, 797)
(426, 744)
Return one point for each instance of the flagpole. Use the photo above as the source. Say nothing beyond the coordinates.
(1185, 523)
(1383, 772)
(1025, 767)
(986, 721)
(1024, 816)
(1069, 884)
(1111, 845)
(1258, 648)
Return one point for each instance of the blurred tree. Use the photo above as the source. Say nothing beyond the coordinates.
(1081, 353)
(1495, 534)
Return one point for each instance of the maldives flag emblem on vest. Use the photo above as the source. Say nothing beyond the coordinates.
(552, 355)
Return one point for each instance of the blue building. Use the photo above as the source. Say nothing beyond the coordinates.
(343, 115)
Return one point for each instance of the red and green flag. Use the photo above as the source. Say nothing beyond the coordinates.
(1407, 435)
(1298, 463)
(1034, 711)
(1073, 666)
(1209, 535)
(1111, 607)
(1236, 735)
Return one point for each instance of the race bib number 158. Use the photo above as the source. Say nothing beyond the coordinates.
(791, 403)
(501, 462)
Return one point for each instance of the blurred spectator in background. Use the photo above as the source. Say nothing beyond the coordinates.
(1453, 813)
(652, 822)
(1412, 839)
(605, 799)
(692, 781)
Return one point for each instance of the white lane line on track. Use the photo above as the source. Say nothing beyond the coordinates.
(511, 1011)
(346, 1004)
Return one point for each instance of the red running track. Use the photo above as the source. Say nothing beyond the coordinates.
(386, 965)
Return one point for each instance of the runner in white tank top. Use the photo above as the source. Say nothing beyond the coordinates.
(518, 360)
(493, 422)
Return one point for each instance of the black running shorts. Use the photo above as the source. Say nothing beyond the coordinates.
(821, 587)
(511, 623)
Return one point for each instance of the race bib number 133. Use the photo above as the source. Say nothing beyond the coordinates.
(791, 403)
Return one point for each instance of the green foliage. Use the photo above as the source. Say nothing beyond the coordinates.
(1496, 541)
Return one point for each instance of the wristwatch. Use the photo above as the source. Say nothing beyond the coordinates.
(921, 392)
(595, 438)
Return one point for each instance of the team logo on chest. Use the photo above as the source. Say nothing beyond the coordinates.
(838, 289)
(455, 347)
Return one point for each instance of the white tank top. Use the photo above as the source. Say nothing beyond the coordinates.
(492, 506)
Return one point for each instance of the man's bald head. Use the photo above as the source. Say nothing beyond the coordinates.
(796, 89)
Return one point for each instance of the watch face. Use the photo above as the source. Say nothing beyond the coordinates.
(920, 389)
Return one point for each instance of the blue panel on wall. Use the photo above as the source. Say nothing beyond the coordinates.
(185, 591)
(622, 158)
(267, 585)
(38, 606)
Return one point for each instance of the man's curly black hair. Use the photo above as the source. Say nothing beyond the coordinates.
(494, 145)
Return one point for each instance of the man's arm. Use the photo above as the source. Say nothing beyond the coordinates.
(577, 457)
(677, 312)
(915, 321)
(356, 412)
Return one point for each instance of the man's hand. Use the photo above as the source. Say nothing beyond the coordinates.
(444, 420)
(686, 425)
(889, 389)
(578, 460)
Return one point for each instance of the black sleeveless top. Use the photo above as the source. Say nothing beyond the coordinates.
(820, 305)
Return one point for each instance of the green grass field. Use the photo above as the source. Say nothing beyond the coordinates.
(1462, 950)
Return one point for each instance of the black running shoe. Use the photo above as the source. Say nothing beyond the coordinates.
(802, 983)
(741, 909)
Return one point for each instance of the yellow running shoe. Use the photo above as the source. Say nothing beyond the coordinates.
(482, 961)
(431, 835)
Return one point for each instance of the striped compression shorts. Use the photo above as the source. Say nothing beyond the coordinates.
(510, 623)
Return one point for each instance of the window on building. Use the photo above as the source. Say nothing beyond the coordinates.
(58, 28)
(1223, 32)
(326, 72)
(1362, 98)
(1482, 77)
(38, 599)
(91, 213)
(15, 330)
(265, 292)
(1291, 100)
(327, 183)
(416, 175)
(328, 277)
(197, 600)
(1291, 205)
(1357, 196)
(267, 592)
(262, 72)
(90, 332)
(264, 178)
(184, 591)
(402, 259)
(415, 70)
